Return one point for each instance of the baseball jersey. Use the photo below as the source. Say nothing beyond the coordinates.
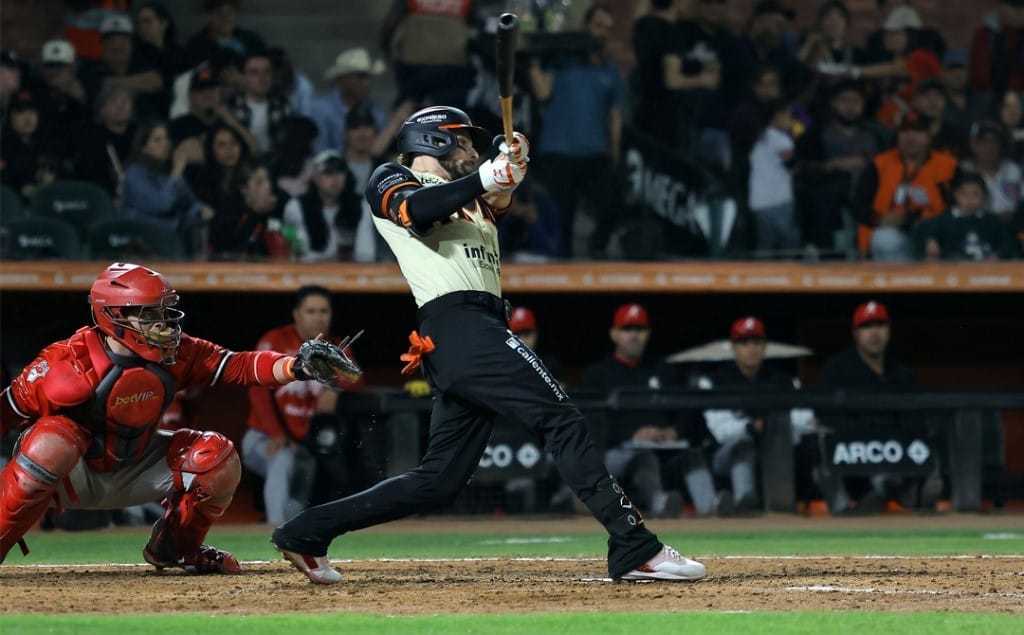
(291, 405)
(120, 399)
(459, 253)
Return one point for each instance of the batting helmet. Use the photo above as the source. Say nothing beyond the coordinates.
(433, 130)
(134, 305)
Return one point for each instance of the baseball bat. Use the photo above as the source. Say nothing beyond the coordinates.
(505, 67)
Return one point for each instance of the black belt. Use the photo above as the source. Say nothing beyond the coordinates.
(497, 306)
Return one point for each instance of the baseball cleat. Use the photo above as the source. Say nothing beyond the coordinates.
(317, 568)
(668, 565)
(206, 560)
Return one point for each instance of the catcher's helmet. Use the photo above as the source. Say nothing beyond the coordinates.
(432, 131)
(134, 305)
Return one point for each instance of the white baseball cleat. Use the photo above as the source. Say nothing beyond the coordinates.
(668, 565)
(317, 568)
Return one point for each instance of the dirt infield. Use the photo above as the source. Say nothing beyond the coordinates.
(501, 585)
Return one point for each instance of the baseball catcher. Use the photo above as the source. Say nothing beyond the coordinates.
(89, 408)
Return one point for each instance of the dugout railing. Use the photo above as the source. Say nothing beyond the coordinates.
(911, 433)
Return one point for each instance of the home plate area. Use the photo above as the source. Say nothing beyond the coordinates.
(525, 585)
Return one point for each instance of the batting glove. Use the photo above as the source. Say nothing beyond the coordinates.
(501, 175)
(518, 152)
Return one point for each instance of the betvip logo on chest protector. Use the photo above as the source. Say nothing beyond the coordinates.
(136, 399)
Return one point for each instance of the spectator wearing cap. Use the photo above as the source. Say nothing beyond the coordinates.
(351, 73)
(930, 100)
(256, 108)
(990, 146)
(763, 43)
(227, 69)
(154, 188)
(119, 65)
(365, 146)
(317, 217)
(997, 49)
(965, 104)
(523, 324)
(898, 188)
(869, 366)
(899, 62)
(205, 109)
(633, 436)
(156, 41)
(108, 143)
(221, 31)
(736, 432)
(64, 100)
(968, 231)
(830, 157)
(24, 161)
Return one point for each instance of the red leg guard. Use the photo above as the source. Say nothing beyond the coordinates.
(206, 471)
(47, 452)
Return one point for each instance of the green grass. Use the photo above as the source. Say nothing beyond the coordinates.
(563, 624)
(126, 546)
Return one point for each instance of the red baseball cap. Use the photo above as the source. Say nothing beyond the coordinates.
(747, 327)
(630, 315)
(870, 312)
(522, 319)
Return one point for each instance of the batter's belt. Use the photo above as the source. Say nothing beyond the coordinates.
(500, 308)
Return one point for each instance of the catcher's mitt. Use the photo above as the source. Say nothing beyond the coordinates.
(320, 360)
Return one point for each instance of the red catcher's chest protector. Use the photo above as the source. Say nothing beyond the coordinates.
(130, 397)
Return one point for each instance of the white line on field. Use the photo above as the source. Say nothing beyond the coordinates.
(544, 559)
(841, 589)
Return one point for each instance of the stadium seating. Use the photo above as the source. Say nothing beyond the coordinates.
(40, 239)
(11, 208)
(76, 202)
(128, 238)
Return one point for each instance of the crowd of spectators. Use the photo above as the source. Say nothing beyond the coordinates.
(826, 144)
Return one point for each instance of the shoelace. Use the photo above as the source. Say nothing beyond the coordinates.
(673, 553)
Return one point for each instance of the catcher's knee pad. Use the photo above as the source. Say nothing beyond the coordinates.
(204, 464)
(205, 470)
(46, 454)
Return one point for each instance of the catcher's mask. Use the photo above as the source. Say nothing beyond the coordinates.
(135, 306)
(432, 131)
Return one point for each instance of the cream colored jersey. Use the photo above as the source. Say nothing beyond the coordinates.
(459, 253)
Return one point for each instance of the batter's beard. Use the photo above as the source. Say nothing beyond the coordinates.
(457, 169)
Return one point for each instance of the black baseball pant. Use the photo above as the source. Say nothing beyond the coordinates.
(479, 371)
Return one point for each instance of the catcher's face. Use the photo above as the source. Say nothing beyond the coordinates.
(312, 317)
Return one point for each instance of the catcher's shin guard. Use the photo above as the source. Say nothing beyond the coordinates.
(47, 452)
(206, 471)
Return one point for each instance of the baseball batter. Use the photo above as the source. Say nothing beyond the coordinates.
(437, 209)
(90, 407)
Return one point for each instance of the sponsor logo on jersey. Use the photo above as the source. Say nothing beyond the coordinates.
(136, 398)
(37, 371)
